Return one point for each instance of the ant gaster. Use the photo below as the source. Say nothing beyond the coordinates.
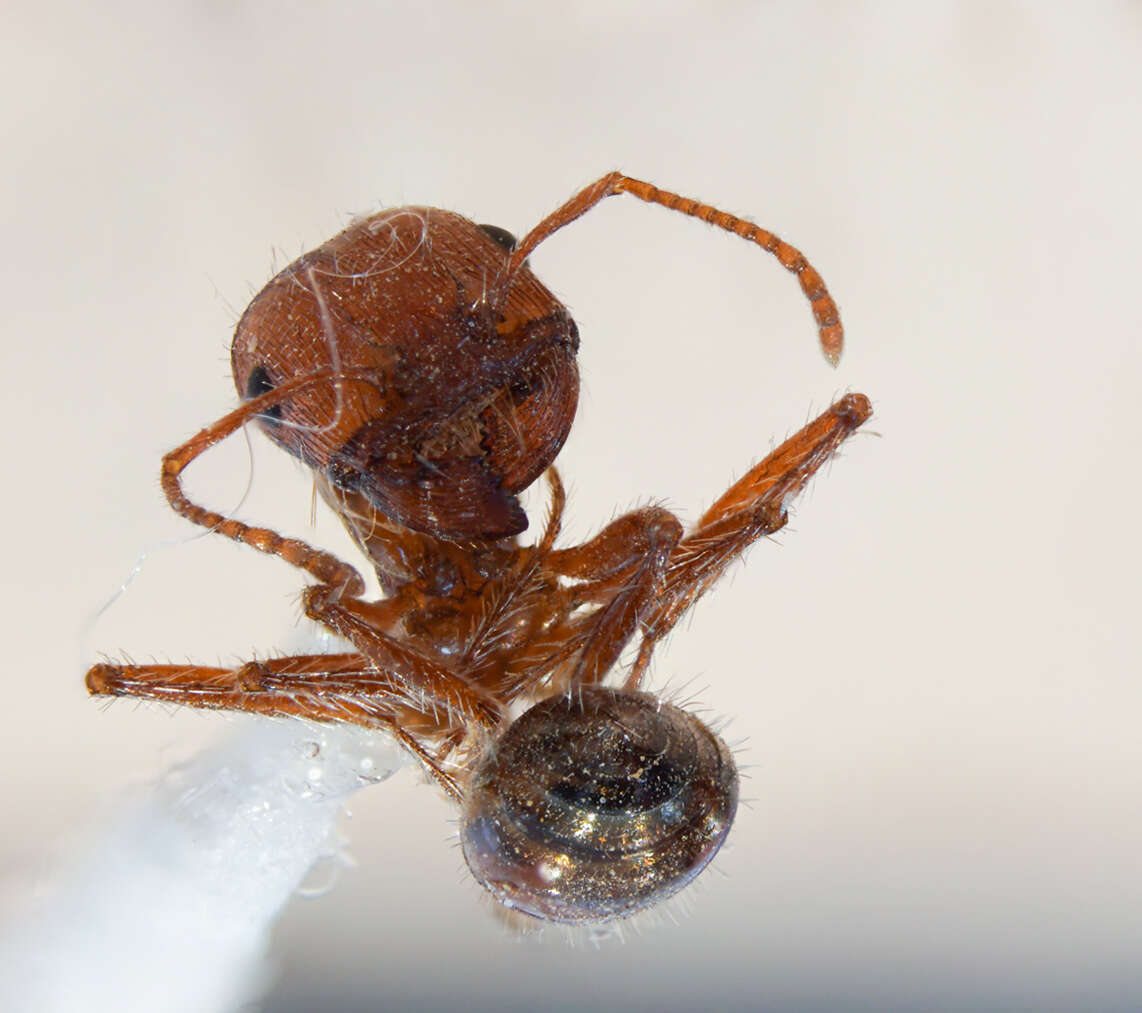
(424, 374)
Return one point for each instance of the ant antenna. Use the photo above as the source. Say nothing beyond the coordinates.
(831, 333)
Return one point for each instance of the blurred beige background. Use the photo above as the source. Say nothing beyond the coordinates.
(933, 674)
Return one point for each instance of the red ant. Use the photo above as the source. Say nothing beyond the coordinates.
(423, 373)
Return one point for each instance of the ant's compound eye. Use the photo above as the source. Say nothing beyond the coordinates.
(259, 383)
(501, 236)
(597, 804)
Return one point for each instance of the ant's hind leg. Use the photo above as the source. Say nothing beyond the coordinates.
(329, 688)
(753, 507)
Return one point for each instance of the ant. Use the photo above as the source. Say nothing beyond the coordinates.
(424, 374)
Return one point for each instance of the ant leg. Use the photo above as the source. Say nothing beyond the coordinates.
(523, 592)
(753, 507)
(620, 569)
(830, 332)
(627, 561)
(330, 688)
(426, 684)
(555, 507)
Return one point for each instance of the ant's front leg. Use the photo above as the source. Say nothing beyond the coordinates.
(625, 565)
(753, 507)
(425, 683)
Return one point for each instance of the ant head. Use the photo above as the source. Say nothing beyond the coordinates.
(450, 392)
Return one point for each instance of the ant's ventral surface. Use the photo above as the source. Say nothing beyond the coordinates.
(426, 377)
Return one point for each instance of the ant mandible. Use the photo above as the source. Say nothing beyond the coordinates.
(423, 373)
